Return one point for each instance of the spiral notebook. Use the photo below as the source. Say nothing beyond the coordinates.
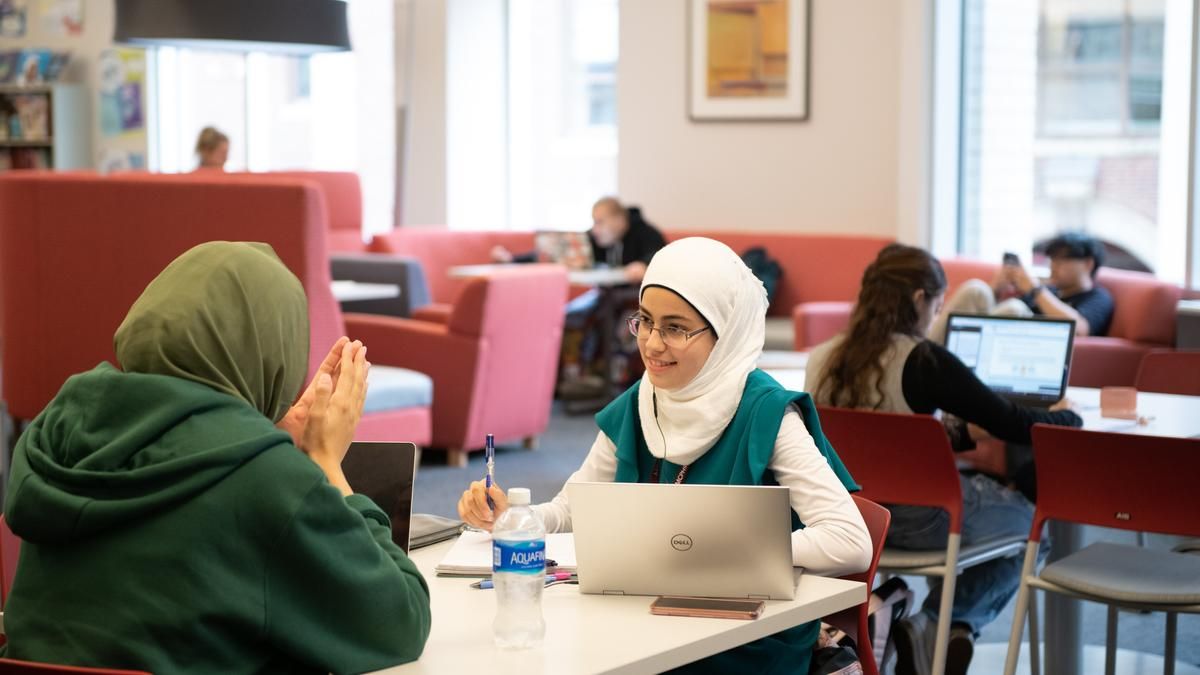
(471, 555)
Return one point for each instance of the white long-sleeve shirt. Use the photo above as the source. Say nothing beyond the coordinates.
(834, 540)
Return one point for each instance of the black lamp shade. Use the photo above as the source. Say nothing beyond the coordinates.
(288, 26)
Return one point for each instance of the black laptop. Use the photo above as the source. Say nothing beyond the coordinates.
(1026, 360)
(384, 473)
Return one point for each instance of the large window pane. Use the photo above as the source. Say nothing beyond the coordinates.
(1062, 112)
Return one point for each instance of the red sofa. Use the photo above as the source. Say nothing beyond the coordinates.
(1143, 319)
(76, 250)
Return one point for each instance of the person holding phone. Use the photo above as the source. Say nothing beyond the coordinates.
(703, 413)
(187, 512)
(1071, 291)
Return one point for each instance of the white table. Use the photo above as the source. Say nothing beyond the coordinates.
(348, 291)
(598, 634)
(602, 277)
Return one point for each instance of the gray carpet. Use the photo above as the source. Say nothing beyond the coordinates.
(566, 442)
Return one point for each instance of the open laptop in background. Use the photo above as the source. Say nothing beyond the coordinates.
(573, 249)
(384, 472)
(1026, 360)
(727, 541)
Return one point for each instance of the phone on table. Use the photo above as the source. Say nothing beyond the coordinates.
(1011, 258)
(712, 608)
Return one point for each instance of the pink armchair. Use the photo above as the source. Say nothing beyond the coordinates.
(493, 362)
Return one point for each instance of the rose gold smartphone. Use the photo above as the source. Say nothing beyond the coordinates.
(713, 608)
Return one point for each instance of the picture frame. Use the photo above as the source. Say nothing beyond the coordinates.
(748, 60)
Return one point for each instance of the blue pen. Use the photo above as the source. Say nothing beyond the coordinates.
(485, 584)
(489, 453)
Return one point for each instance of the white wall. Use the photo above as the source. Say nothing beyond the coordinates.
(836, 172)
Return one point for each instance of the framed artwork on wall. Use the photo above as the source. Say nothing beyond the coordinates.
(748, 60)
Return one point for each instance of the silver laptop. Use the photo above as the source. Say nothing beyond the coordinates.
(573, 249)
(727, 541)
(1026, 360)
(384, 472)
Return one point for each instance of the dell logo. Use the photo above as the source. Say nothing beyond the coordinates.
(681, 542)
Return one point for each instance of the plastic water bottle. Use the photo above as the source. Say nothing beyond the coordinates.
(519, 574)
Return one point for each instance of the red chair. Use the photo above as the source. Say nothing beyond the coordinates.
(10, 551)
(494, 361)
(1167, 371)
(15, 667)
(1122, 481)
(907, 459)
(853, 621)
(77, 250)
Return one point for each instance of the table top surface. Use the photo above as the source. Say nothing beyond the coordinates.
(346, 291)
(600, 276)
(1163, 414)
(595, 633)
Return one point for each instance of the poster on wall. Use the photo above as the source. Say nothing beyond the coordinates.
(122, 92)
(13, 15)
(748, 59)
(61, 17)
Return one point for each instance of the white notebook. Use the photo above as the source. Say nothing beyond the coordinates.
(471, 555)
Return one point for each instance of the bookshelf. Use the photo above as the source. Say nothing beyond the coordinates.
(44, 127)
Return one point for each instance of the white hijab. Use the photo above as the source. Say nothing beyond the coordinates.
(715, 281)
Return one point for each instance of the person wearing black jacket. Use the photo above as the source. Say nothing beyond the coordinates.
(884, 361)
(620, 237)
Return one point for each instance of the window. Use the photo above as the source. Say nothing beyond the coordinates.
(531, 112)
(1063, 128)
(330, 111)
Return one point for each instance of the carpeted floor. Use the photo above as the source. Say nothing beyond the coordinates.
(565, 444)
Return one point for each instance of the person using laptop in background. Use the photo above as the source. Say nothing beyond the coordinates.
(1072, 292)
(620, 237)
(188, 513)
(885, 362)
(703, 413)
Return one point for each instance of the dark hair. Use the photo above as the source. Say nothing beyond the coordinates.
(1076, 245)
(885, 307)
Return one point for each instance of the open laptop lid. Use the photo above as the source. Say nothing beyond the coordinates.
(573, 249)
(1024, 359)
(384, 473)
(698, 540)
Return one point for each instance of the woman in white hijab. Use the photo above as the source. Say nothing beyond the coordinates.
(703, 413)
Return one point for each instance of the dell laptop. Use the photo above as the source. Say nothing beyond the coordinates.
(728, 541)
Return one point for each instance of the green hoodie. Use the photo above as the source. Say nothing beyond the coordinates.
(170, 526)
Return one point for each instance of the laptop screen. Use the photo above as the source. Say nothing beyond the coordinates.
(384, 473)
(1020, 358)
(572, 249)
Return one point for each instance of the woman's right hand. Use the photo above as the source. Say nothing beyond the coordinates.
(473, 507)
(501, 254)
(336, 408)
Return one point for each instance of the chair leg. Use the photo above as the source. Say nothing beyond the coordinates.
(1169, 647)
(1024, 604)
(947, 605)
(456, 457)
(1035, 657)
(1110, 645)
(530, 442)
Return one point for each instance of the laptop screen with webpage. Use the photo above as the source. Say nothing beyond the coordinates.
(1026, 360)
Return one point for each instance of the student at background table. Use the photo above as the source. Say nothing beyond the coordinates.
(703, 413)
(885, 362)
(187, 513)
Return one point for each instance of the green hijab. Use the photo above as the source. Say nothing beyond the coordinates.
(225, 314)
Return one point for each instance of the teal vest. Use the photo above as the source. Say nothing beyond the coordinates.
(740, 457)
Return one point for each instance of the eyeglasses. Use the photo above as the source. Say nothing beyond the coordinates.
(672, 336)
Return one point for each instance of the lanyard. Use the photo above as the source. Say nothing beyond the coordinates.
(658, 467)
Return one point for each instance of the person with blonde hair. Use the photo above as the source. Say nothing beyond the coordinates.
(212, 148)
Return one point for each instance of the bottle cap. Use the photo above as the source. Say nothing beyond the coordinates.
(518, 496)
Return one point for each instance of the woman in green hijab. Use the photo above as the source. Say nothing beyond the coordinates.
(188, 512)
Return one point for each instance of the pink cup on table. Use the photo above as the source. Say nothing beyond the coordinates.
(1118, 402)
